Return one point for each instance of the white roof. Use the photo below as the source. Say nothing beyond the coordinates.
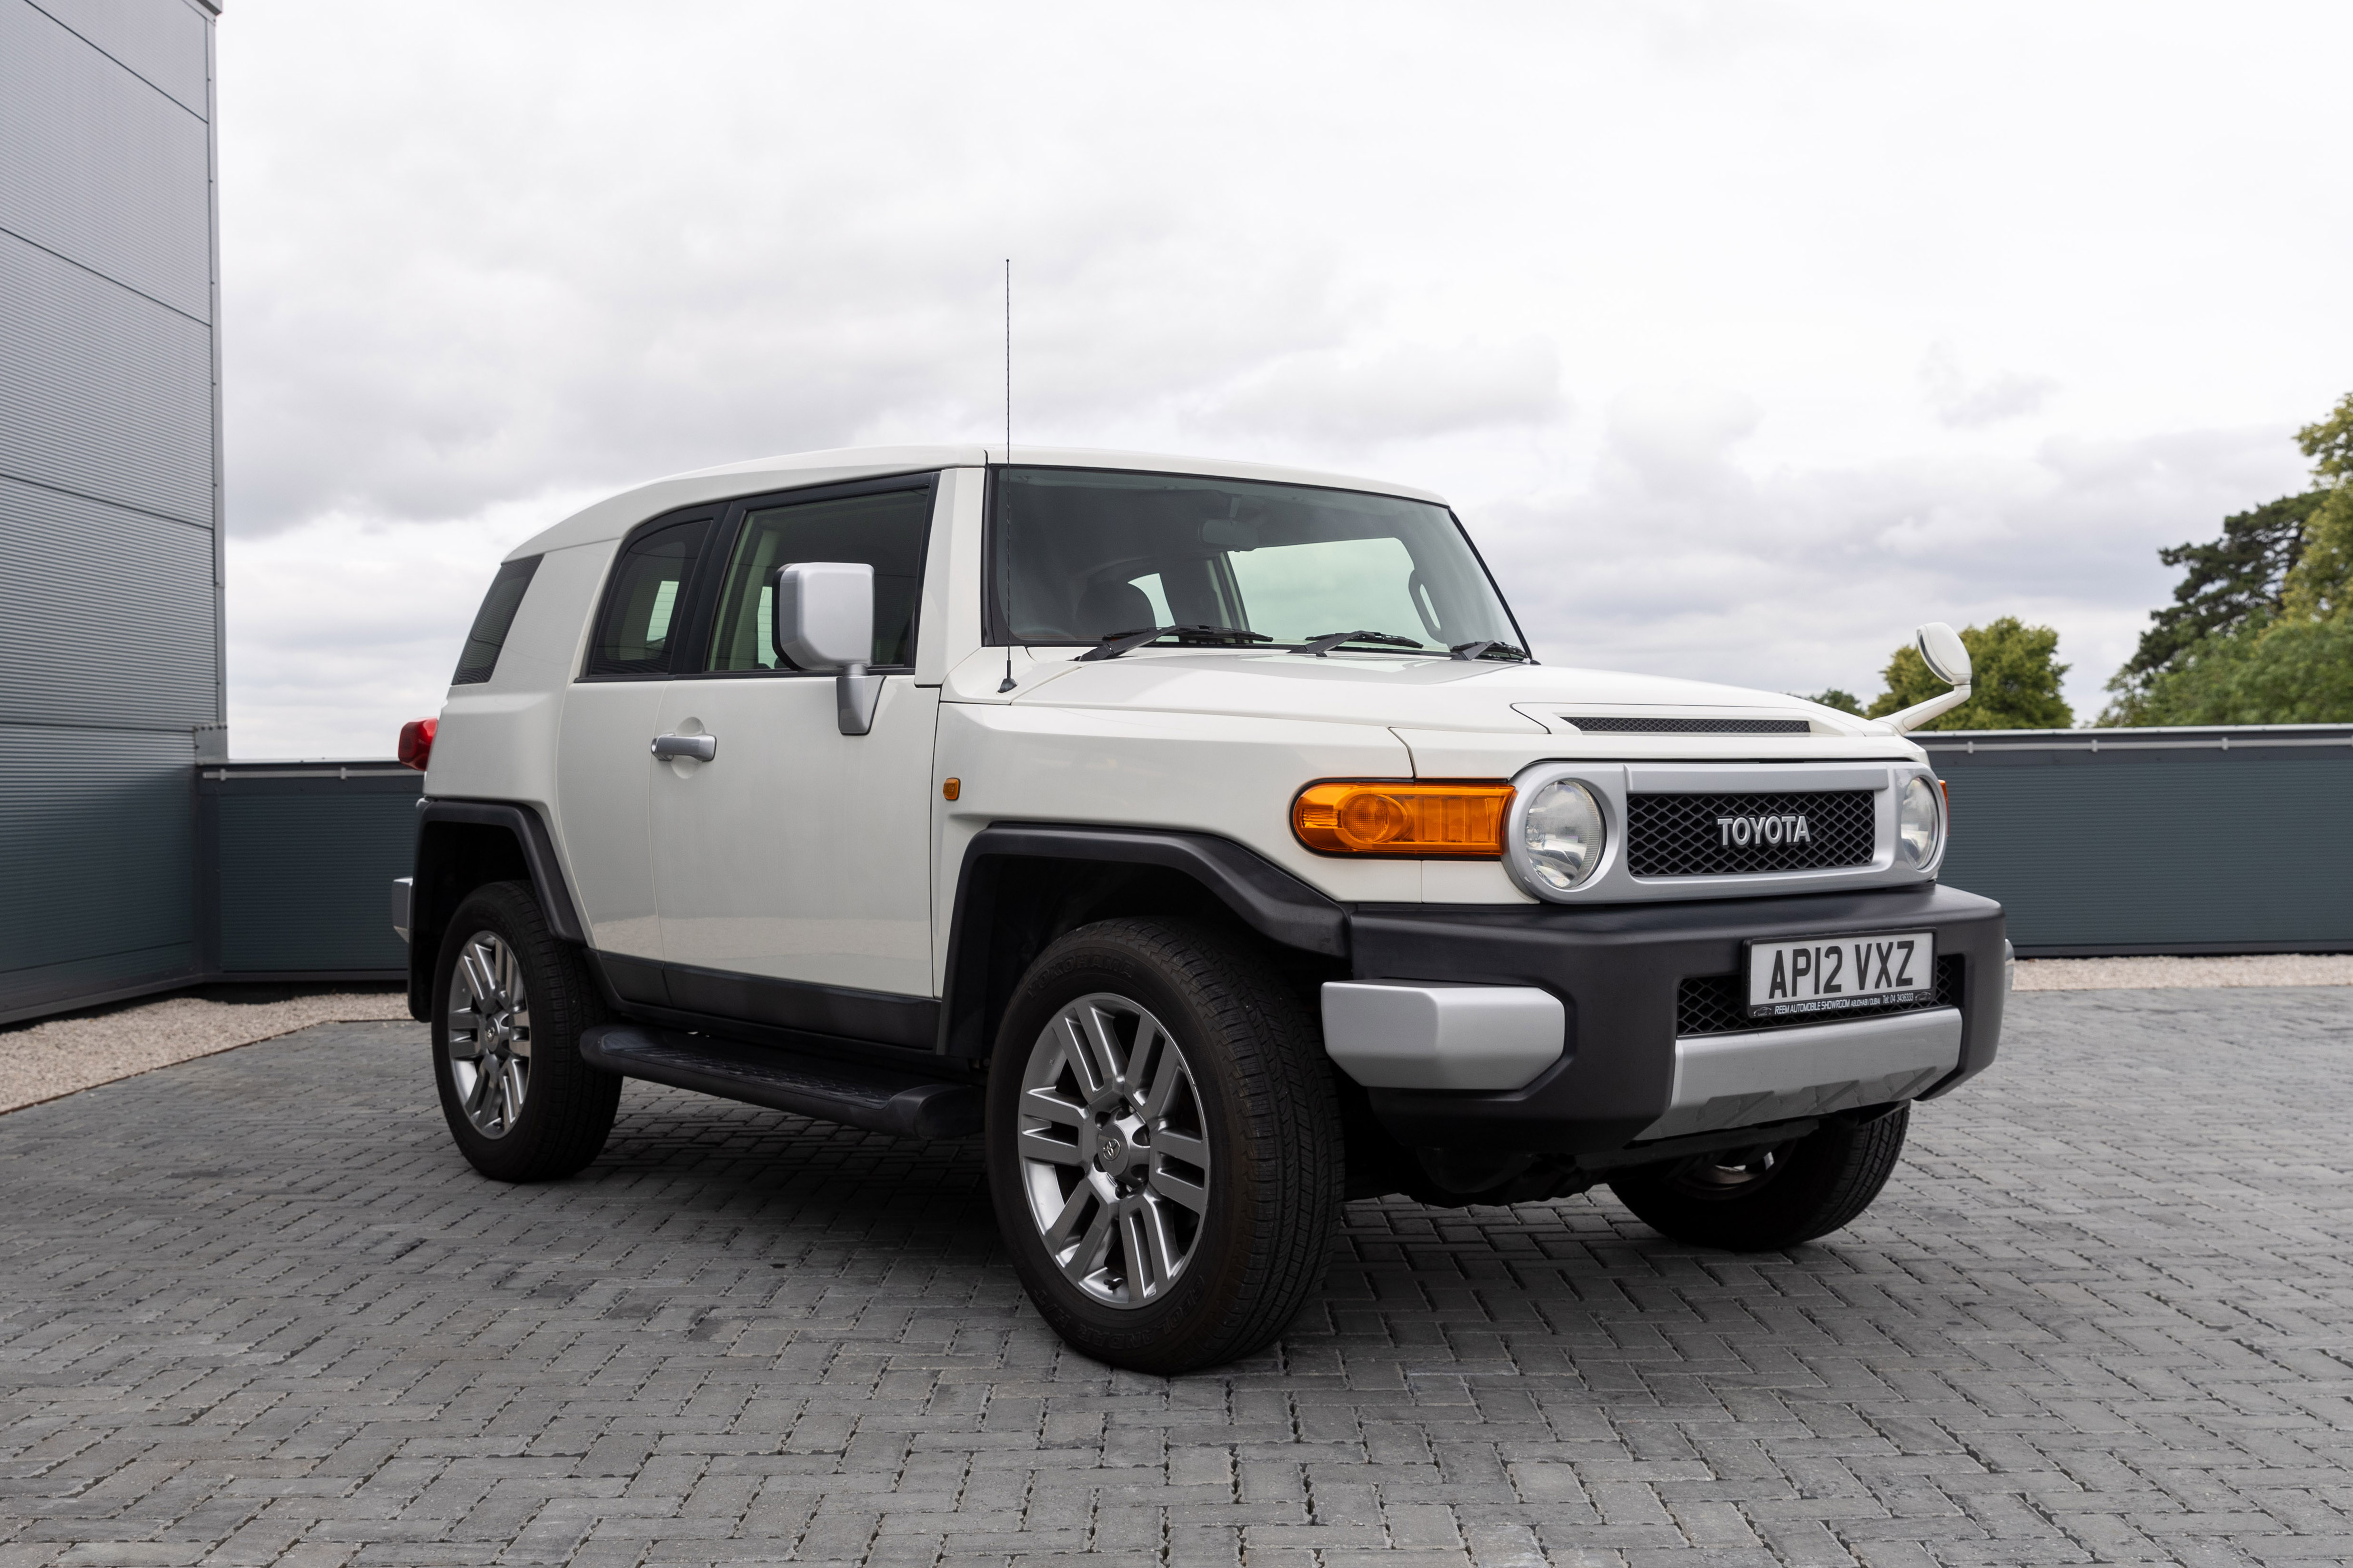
(611, 518)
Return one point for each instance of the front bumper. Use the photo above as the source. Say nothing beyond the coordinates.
(1623, 1075)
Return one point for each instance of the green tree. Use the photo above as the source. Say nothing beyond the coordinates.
(2271, 672)
(2261, 629)
(1845, 701)
(2233, 581)
(2014, 680)
(2321, 586)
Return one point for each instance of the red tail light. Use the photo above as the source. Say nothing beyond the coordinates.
(417, 743)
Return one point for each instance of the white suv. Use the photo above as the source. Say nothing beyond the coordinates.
(1199, 836)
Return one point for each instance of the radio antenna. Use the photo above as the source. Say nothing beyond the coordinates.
(1007, 683)
(1008, 359)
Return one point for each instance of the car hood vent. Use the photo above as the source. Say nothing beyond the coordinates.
(1645, 724)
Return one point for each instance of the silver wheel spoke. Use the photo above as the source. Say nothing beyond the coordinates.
(1074, 1051)
(1138, 1069)
(1088, 1259)
(468, 1047)
(1094, 1037)
(1058, 1234)
(1183, 1146)
(1177, 1190)
(1165, 1069)
(1038, 1144)
(1048, 1106)
(478, 984)
(1151, 1256)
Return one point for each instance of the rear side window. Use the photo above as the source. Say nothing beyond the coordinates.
(489, 635)
(886, 530)
(645, 605)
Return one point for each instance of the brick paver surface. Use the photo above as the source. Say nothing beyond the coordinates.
(255, 1308)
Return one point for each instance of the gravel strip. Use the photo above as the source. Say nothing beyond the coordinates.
(2184, 973)
(55, 1057)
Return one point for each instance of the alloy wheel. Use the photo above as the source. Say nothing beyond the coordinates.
(1114, 1155)
(489, 1034)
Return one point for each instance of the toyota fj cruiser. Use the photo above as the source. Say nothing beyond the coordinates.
(1201, 836)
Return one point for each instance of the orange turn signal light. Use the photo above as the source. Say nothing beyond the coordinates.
(1456, 818)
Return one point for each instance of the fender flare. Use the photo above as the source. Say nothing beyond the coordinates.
(537, 850)
(1261, 894)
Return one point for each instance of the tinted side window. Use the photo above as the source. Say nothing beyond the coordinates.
(885, 530)
(480, 655)
(646, 602)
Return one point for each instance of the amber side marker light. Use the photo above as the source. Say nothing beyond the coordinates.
(1462, 818)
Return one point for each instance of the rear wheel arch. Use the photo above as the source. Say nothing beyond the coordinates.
(461, 846)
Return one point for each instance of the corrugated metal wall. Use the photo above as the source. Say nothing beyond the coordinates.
(110, 501)
(299, 862)
(2120, 841)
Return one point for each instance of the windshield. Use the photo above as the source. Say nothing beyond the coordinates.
(1084, 554)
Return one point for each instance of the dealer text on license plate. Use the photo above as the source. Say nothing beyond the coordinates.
(1840, 973)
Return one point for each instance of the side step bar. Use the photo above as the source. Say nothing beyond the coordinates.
(876, 1098)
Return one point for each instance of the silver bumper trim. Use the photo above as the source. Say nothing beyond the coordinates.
(400, 885)
(1398, 1035)
(1776, 1075)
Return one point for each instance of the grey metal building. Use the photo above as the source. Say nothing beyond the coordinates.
(110, 632)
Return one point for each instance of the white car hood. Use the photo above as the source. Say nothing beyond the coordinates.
(1535, 702)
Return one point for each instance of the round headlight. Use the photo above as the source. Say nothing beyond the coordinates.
(1918, 822)
(1563, 834)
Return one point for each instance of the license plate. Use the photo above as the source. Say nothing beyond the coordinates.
(1840, 973)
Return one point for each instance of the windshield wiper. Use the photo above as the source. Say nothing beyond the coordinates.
(1322, 645)
(1116, 643)
(1489, 650)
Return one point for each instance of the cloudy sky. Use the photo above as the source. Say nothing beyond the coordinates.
(1744, 335)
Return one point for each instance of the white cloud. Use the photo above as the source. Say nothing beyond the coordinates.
(1403, 392)
(1654, 279)
(1798, 580)
(1967, 405)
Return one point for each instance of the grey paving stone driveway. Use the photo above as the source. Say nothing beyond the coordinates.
(254, 1308)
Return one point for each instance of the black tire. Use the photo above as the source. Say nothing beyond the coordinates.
(567, 1106)
(1256, 1095)
(1770, 1198)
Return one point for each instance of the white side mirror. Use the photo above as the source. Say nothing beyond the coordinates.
(1946, 656)
(823, 615)
(822, 618)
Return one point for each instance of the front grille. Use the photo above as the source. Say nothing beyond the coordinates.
(1621, 724)
(1694, 835)
(1712, 1005)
